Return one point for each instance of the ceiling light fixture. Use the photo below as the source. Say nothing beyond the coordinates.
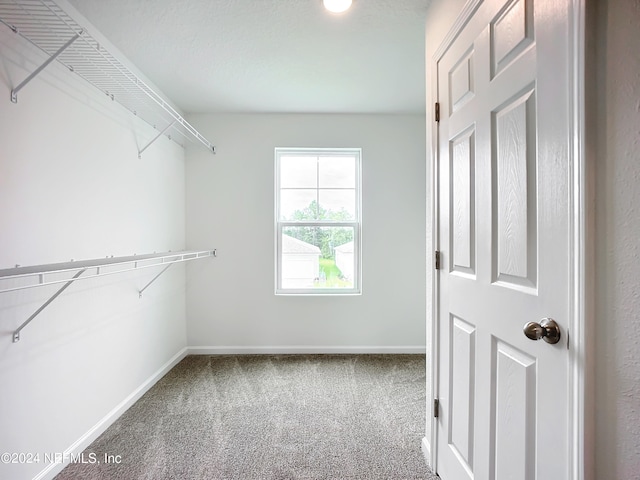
(337, 6)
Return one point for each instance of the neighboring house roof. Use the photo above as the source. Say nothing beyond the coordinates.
(292, 245)
(345, 247)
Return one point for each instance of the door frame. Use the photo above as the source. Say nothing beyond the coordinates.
(581, 239)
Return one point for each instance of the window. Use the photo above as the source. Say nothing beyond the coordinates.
(318, 221)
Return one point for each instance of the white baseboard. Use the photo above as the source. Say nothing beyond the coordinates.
(304, 349)
(426, 451)
(83, 442)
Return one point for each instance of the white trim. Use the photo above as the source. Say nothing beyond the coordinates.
(465, 15)
(99, 428)
(303, 349)
(435, 278)
(356, 224)
(581, 371)
(581, 374)
(426, 451)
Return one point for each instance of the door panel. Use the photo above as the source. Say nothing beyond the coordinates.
(461, 81)
(513, 418)
(463, 218)
(514, 193)
(462, 390)
(503, 236)
(511, 33)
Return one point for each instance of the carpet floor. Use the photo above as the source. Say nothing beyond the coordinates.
(270, 417)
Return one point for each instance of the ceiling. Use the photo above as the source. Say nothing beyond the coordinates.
(272, 55)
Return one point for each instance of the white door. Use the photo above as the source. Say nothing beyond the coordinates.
(503, 223)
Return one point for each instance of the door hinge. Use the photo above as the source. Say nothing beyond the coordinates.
(437, 107)
(436, 408)
(437, 260)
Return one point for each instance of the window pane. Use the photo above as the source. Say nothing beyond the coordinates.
(298, 204)
(298, 172)
(338, 204)
(317, 257)
(337, 172)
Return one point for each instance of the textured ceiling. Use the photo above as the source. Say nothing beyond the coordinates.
(272, 55)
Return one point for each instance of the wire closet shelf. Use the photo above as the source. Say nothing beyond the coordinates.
(20, 278)
(48, 27)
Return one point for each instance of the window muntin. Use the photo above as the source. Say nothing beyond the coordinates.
(318, 221)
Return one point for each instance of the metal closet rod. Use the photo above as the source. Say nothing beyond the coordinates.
(131, 262)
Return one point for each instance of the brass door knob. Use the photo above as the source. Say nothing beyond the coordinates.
(547, 329)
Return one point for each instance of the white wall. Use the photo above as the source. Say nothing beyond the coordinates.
(230, 206)
(617, 113)
(71, 186)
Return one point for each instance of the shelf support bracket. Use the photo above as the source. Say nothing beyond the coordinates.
(155, 138)
(14, 92)
(16, 334)
(153, 280)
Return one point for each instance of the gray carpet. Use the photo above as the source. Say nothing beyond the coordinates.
(271, 417)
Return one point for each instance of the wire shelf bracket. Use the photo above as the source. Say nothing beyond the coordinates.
(155, 138)
(36, 276)
(14, 92)
(47, 26)
(16, 334)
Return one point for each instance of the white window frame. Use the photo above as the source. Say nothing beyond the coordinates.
(356, 224)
